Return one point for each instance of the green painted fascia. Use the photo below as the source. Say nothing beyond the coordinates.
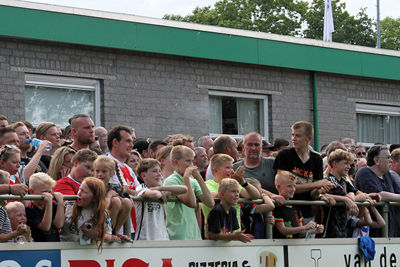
(84, 30)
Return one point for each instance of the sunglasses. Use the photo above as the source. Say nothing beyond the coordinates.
(4, 148)
(361, 153)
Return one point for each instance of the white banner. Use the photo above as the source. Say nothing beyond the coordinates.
(342, 256)
(269, 256)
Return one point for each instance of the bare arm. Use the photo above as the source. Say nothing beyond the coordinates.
(173, 189)
(206, 196)
(188, 198)
(350, 204)
(249, 192)
(59, 219)
(14, 189)
(380, 222)
(302, 188)
(267, 206)
(34, 162)
(239, 236)
(387, 196)
(46, 222)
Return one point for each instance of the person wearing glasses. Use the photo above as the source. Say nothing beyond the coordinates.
(360, 152)
(376, 178)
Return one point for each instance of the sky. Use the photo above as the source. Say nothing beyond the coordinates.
(158, 8)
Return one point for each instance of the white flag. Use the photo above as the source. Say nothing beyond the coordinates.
(328, 22)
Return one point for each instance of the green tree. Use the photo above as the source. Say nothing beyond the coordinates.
(390, 33)
(357, 30)
(274, 16)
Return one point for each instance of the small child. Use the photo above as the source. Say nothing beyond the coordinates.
(88, 219)
(252, 216)
(6, 231)
(82, 167)
(150, 215)
(359, 226)
(288, 221)
(44, 217)
(222, 168)
(119, 208)
(222, 221)
(181, 217)
(16, 213)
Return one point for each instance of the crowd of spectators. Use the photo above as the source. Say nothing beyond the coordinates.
(105, 168)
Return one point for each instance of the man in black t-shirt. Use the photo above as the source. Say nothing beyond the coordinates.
(305, 164)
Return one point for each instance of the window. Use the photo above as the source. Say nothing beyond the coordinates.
(237, 114)
(377, 123)
(56, 99)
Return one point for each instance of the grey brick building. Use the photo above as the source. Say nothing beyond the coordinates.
(164, 77)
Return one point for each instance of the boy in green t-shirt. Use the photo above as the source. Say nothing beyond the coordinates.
(180, 216)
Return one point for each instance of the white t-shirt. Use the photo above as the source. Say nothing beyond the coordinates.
(150, 218)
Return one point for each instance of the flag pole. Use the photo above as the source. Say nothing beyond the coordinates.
(378, 25)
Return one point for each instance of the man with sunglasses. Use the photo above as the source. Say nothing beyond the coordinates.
(360, 152)
(376, 178)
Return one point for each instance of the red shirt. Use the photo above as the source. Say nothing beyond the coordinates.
(67, 186)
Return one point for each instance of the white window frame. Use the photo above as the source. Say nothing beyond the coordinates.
(264, 101)
(68, 83)
(376, 109)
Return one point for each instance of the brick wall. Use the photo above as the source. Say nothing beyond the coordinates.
(160, 95)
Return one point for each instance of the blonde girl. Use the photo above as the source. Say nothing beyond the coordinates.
(119, 208)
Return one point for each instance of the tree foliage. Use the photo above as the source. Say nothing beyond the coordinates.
(390, 33)
(357, 30)
(273, 16)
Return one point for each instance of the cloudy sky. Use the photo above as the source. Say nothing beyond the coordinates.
(157, 8)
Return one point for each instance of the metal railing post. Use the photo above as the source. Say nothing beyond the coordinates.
(385, 215)
(268, 226)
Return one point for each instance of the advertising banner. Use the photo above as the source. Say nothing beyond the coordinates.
(387, 255)
(271, 256)
(34, 258)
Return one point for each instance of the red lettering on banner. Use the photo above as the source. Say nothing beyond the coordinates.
(110, 263)
(135, 263)
(84, 263)
(167, 263)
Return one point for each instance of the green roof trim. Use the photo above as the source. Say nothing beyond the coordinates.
(112, 33)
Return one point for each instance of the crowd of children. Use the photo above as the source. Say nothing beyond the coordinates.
(105, 212)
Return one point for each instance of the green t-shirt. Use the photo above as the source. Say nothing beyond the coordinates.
(181, 220)
(213, 187)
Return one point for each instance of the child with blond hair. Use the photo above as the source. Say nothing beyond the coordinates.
(222, 220)
(44, 217)
(119, 207)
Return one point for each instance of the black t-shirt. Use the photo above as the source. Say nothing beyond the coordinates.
(336, 227)
(34, 217)
(308, 172)
(219, 221)
(289, 216)
(252, 222)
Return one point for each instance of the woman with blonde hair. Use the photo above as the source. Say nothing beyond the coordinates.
(60, 164)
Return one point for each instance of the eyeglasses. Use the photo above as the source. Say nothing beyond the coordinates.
(361, 153)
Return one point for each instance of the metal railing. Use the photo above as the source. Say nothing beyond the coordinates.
(268, 227)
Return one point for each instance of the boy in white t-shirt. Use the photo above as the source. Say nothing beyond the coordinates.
(150, 216)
